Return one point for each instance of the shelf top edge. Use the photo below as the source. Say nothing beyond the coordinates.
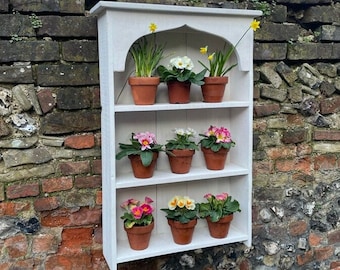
(101, 6)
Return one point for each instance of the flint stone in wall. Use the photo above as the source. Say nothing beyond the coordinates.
(269, 75)
(3, 5)
(54, 75)
(56, 26)
(329, 33)
(270, 51)
(19, 143)
(322, 14)
(67, 122)
(29, 51)
(327, 69)
(4, 130)
(8, 227)
(5, 101)
(16, 24)
(24, 123)
(36, 5)
(16, 74)
(278, 32)
(327, 88)
(270, 92)
(21, 98)
(14, 158)
(307, 78)
(286, 73)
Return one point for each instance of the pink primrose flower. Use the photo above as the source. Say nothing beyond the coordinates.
(221, 197)
(208, 196)
(137, 212)
(147, 208)
(148, 200)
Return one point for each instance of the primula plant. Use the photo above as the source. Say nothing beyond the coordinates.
(216, 138)
(146, 54)
(183, 140)
(218, 60)
(137, 213)
(180, 69)
(218, 206)
(143, 144)
(182, 209)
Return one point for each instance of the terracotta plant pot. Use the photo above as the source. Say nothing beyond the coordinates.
(139, 236)
(182, 232)
(144, 89)
(219, 229)
(139, 170)
(215, 160)
(181, 160)
(213, 88)
(178, 92)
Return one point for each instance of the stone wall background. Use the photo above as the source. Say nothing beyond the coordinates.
(50, 167)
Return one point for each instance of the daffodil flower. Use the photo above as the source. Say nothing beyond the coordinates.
(153, 27)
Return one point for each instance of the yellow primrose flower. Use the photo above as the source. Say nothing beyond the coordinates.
(190, 203)
(204, 50)
(172, 204)
(255, 25)
(152, 27)
(181, 203)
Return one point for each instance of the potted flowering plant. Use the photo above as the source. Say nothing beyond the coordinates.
(182, 218)
(179, 77)
(213, 89)
(181, 149)
(218, 212)
(146, 54)
(142, 152)
(215, 145)
(138, 222)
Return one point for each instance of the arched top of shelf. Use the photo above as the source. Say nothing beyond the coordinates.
(129, 21)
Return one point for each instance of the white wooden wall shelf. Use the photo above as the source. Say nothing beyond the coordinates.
(184, 30)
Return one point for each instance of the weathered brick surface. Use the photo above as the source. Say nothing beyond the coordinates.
(330, 105)
(35, 51)
(44, 243)
(75, 261)
(325, 162)
(278, 32)
(88, 181)
(45, 204)
(67, 122)
(57, 184)
(74, 240)
(57, 26)
(330, 33)
(16, 74)
(294, 136)
(270, 51)
(76, 167)
(22, 190)
(46, 100)
(16, 25)
(266, 109)
(310, 51)
(13, 208)
(298, 227)
(323, 14)
(16, 246)
(70, 98)
(3, 5)
(64, 75)
(35, 5)
(80, 141)
(334, 237)
(80, 51)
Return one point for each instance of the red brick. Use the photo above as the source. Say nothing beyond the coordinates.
(98, 260)
(22, 190)
(22, 264)
(281, 152)
(327, 135)
(57, 184)
(305, 258)
(287, 165)
(265, 110)
(93, 181)
(96, 97)
(75, 167)
(335, 265)
(98, 235)
(330, 105)
(262, 167)
(69, 217)
(296, 120)
(80, 141)
(97, 166)
(260, 125)
(44, 244)
(45, 204)
(46, 100)
(74, 240)
(323, 253)
(294, 136)
(334, 237)
(297, 227)
(325, 162)
(98, 139)
(68, 262)
(245, 265)
(314, 239)
(13, 208)
(99, 198)
(16, 246)
(303, 149)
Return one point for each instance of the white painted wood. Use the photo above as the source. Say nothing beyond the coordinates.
(184, 30)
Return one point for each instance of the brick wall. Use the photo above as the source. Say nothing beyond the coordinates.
(50, 167)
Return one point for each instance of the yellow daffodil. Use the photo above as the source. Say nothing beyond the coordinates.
(255, 25)
(153, 27)
(204, 50)
(211, 56)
